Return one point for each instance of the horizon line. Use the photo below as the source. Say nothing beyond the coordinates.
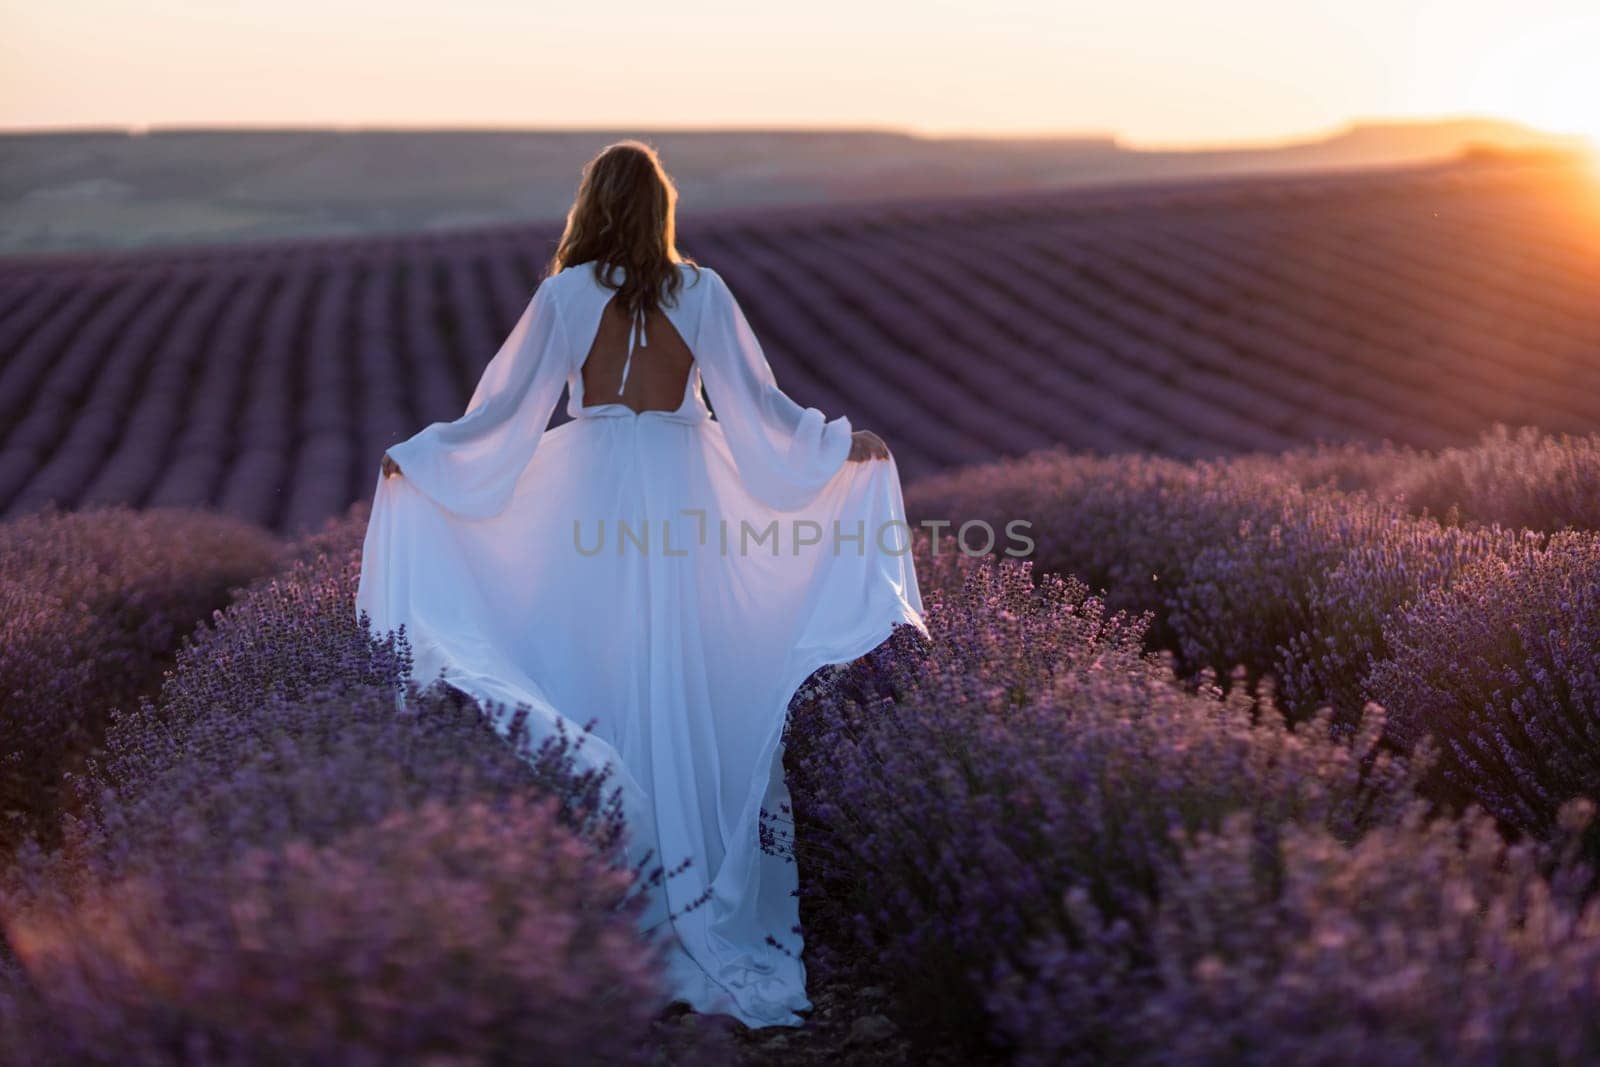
(1112, 138)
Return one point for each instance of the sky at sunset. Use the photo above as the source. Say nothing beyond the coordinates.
(1155, 72)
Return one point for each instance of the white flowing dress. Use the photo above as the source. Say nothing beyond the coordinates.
(675, 575)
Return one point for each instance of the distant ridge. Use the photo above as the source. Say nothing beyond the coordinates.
(68, 190)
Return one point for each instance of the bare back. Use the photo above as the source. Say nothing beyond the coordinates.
(658, 375)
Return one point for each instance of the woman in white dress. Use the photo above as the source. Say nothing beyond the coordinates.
(671, 575)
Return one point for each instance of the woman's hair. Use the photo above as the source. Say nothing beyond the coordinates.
(624, 216)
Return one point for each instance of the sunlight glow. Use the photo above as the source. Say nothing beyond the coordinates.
(1548, 75)
(1151, 72)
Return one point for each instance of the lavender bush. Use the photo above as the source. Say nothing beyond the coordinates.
(92, 605)
(1175, 821)
(1421, 942)
(950, 798)
(1519, 478)
(1127, 526)
(308, 770)
(275, 864)
(293, 633)
(1051, 854)
(1302, 592)
(1439, 943)
(290, 690)
(339, 538)
(1504, 668)
(458, 933)
(1242, 564)
(1234, 568)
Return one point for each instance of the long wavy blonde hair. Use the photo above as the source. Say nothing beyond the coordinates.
(625, 215)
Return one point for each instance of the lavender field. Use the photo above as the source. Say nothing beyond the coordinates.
(1282, 746)
(1183, 320)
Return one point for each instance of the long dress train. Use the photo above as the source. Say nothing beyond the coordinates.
(675, 576)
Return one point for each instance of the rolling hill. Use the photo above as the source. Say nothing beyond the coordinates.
(93, 189)
(1193, 318)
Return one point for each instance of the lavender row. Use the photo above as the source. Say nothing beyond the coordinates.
(1324, 571)
(271, 862)
(1051, 854)
(1227, 318)
(92, 607)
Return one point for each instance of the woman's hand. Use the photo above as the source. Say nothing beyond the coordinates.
(390, 467)
(865, 445)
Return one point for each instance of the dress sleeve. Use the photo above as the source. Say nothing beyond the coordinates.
(470, 466)
(785, 453)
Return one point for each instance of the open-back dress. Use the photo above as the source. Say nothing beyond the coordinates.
(675, 575)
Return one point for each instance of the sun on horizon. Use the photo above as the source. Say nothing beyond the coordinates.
(1148, 72)
(1545, 75)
